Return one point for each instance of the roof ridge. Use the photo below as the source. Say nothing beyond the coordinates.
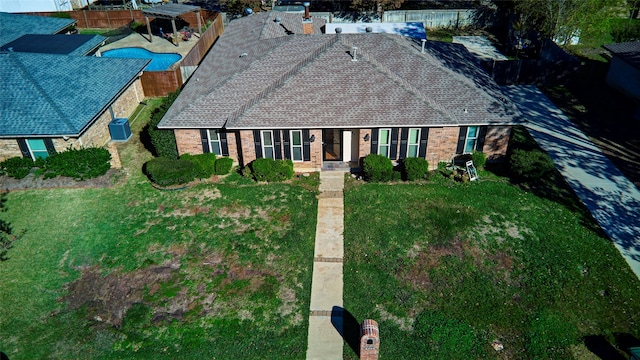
(280, 80)
(44, 94)
(403, 82)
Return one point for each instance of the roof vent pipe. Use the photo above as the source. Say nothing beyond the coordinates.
(278, 19)
(338, 30)
(355, 51)
(424, 41)
(306, 5)
(368, 29)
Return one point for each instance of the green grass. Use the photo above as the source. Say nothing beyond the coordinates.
(446, 268)
(214, 271)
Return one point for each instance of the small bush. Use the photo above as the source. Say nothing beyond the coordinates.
(204, 164)
(167, 172)
(17, 167)
(377, 168)
(479, 159)
(79, 164)
(223, 165)
(271, 170)
(529, 165)
(414, 168)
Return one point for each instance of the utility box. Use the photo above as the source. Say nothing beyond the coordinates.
(369, 340)
(120, 129)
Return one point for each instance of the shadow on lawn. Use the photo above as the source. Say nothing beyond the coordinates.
(603, 349)
(347, 326)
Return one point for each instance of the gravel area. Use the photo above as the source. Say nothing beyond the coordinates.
(111, 178)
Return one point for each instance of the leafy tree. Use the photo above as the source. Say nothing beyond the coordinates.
(376, 5)
(6, 232)
(563, 19)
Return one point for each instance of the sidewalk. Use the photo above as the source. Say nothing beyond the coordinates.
(324, 340)
(612, 199)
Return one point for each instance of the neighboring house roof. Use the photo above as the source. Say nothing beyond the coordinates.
(628, 51)
(411, 29)
(56, 95)
(300, 81)
(13, 26)
(74, 44)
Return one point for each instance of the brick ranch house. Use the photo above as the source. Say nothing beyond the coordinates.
(275, 86)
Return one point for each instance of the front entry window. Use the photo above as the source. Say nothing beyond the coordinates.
(471, 140)
(296, 145)
(37, 148)
(267, 144)
(384, 141)
(214, 142)
(413, 142)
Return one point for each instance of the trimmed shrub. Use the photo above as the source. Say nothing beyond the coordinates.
(79, 164)
(223, 165)
(204, 164)
(414, 168)
(377, 168)
(270, 170)
(529, 165)
(17, 167)
(167, 172)
(479, 159)
(163, 141)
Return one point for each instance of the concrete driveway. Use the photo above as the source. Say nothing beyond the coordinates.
(612, 199)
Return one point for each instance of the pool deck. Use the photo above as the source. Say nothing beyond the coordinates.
(159, 45)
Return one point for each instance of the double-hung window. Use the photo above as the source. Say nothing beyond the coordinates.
(37, 148)
(413, 142)
(472, 139)
(384, 142)
(267, 144)
(214, 142)
(296, 145)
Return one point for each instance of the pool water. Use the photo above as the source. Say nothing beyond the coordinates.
(159, 61)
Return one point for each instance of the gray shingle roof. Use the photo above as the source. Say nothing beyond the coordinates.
(75, 44)
(299, 81)
(13, 26)
(49, 95)
(627, 51)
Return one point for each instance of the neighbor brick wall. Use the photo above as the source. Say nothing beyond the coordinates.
(188, 141)
(496, 142)
(441, 145)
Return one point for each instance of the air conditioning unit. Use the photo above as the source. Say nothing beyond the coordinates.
(120, 129)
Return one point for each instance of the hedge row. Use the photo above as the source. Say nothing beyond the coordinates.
(78, 164)
(167, 172)
(379, 168)
(270, 170)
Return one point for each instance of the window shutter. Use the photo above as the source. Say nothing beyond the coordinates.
(277, 145)
(204, 138)
(224, 146)
(24, 149)
(306, 145)
(482, 133)
(374, 141)
(424, 139)
(394, 144)
(404, 137)
(48, 143)
(257, 144)
(286, 143)
(462, 136)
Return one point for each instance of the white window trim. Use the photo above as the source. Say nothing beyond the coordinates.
(272, 146)
(467, 138)
(417, 144)
(212, 141)
(301, 146)
(388, 145)
(33, 156)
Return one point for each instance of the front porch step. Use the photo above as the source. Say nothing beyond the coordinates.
(336, 166)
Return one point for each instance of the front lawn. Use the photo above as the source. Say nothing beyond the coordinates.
(446, 268)
(219, 270)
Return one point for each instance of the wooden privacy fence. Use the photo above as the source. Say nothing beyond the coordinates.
(161, 83)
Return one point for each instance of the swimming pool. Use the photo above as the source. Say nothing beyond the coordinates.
(159, 61)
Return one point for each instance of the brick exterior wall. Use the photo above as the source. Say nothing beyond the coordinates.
(441, 145)
(307, 27)
(232, 144)
(364, 147)
(247, 146)
(496, 142)
(188, 141)
(8, 149)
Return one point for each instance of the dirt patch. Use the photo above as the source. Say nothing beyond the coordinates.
(111, 178)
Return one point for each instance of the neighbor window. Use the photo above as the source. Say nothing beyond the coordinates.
(384, 141)
(296, 145)
(413, 142)
(267, 144)
(471, 139)
(37, 148)
(214, 142)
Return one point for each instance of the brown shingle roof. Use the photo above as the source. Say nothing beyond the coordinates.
(251, 79)
(627, 51)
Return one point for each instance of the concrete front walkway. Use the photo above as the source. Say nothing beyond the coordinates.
(325, 341)
(612, 199)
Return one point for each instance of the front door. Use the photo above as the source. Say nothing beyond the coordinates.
(332, 144)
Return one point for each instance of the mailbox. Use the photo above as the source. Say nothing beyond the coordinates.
(369, 340)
